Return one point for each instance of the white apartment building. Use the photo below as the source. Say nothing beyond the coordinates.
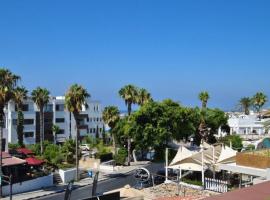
(242, 124)
(91, 122)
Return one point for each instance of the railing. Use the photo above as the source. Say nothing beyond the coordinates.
(215, 185)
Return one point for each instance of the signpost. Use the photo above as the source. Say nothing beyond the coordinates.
(95, 182)
(7, 179)
(68, 191)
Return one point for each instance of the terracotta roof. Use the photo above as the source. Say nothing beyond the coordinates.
(34, 161)
(259, 191)
(24, 151)
(5, 155)
(10, 161)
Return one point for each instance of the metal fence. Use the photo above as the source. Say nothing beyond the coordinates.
(215, 185)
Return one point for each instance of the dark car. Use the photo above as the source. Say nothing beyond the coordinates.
(159, 176)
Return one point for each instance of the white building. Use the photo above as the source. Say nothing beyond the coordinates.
(91, 122)
(242, 124)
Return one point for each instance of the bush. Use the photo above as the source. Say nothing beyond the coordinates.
(192, 182)
(250, 147)
(13, 146)
(120, 157)
(236, 141)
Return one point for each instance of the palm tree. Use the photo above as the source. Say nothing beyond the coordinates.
(41, 98)
(245, 104)
(110, 116)
(258, 101)
(204, 97)
(8, 82)
(130, 95)
(75, 98)
(143, 97)
(55, 130)
(19, 95)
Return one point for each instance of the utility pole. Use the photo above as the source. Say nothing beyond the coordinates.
(166, 165)
(9, 181)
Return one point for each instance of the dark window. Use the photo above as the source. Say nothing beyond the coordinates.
(28, 121)
(3, 144)
(60, 107)
(60, 120)
(48, 108)
(100, 129)
(61, 131)
(94, 130)
(25, 107)
(28, 134)
(87, 119)
(91, 130)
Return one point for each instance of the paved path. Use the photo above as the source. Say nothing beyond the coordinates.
(83, 188)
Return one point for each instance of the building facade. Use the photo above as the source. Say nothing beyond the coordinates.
(90, 121)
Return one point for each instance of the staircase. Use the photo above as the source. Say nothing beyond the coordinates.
(57, 178)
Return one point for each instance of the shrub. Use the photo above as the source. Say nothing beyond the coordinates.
(13, 146)
(236, 141)
(192, 182)
(120, 157)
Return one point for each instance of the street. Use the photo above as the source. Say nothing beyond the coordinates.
(103, 186)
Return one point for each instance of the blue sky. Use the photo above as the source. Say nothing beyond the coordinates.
(174, 49)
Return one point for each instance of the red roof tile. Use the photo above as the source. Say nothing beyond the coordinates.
(34, 161)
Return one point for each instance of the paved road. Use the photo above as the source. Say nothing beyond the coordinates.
(103, 186)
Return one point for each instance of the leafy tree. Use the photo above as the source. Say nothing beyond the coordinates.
(245, 104)
(41, 97)
(143, 96)
(19, 95)
(258, 100)
(69, 150)
(129, 94)
(204, 97)
(75, 98)
(110, 116)
(235, 140)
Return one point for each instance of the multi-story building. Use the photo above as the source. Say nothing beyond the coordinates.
(90, 121)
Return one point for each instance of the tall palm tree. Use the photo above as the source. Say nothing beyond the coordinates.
(110, 116)
(19, 95)
(204, 97)
(143, 97)
(41, 98)
(258, 101)
(8, 82)
(245, 104)
(129, 94)
(55, 130)
(75, 99)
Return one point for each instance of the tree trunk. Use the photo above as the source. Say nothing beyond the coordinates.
(114, 144)
(41, 130)
(1, 138)
(77, 147)
(129, 147)
(20, 127)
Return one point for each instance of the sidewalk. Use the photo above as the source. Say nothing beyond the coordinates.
(84, 182)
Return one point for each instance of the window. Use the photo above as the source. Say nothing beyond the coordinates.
(100, 130)
(97, 119)
(60, 120)
(28, 134)
(60, 107)
(25, 107)
(48, 108)
(61, 131)
(28, 121)
(94, 130)
(91, 131)
(90, 119)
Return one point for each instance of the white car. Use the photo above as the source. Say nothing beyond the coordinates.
(85, 147)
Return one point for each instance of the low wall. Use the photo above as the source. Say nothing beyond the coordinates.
(27, 186)
(253, 160)
(68, 175)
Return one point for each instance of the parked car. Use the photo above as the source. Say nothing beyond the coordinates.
(159, 177)
(84, 147)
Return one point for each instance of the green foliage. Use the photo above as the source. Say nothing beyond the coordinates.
(53, 154)
(68, 150)
(13, 146)
(35, 148)
(259, 100)
(250, 147)
(120, 157)
(236, 140)
(192, 182)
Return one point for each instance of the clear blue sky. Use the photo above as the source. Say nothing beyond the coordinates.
(174, 49)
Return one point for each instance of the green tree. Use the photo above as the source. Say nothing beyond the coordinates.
(55, 129)
(41, 98)
(235, 140)
(258, 101)
(19, 95)
(110, 116)
(69, 150)
(143, 96)
(75, 99)
(245, 104)
(204, 97)
(129, 94)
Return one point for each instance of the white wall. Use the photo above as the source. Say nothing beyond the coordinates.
(26, 186)
(68, 175)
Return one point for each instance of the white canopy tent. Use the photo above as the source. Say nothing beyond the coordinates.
(207, 158)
